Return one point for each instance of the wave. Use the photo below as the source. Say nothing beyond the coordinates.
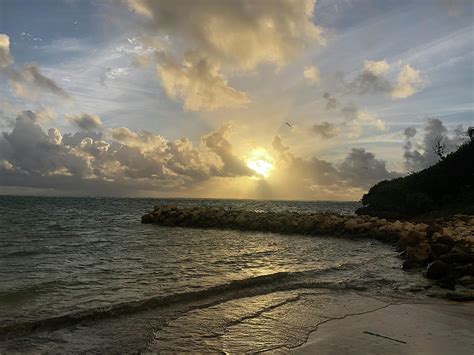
(22, 253)
(254, 286)
(23, 293)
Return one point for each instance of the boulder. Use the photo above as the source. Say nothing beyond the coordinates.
(414, 238)
(467, 269)
(457, 257)
(467, 281)
(432, 229)
(351, 225)
(436, 270)
(148, 218)
(419, 254)
(444, 239)
(397, 226)
(440, 249)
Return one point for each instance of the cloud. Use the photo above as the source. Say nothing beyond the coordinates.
(325, 130)
(365, 117)
(420, 155)
(5, 57)
(121, 162)
(409, 82)
(29, 151)
(376, 67)
(232, 165)
(311, 75)
(373, 81)
(241, 33)
(361, 169)
(28, 82)
(86, 122)
(222, 37)
(410, 132)
(198, 84)
(354, 116)
(331, 102)
(46, 114)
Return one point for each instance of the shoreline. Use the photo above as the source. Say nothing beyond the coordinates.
(444, 248)
(300, 321)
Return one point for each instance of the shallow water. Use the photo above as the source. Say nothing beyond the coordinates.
(69, 261)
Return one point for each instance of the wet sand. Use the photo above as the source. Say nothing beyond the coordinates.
(438, 328)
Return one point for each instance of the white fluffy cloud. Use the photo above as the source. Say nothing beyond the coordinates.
(223, 37)
(199, 85)
(311, 75)
(5, 56)
(409, 82)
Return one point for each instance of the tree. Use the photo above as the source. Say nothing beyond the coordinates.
(439, 147)
(470, 133)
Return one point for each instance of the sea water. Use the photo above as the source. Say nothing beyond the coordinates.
(83, 274)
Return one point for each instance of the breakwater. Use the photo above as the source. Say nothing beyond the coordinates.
(444, 247)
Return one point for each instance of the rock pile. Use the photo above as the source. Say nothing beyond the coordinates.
(444, 247)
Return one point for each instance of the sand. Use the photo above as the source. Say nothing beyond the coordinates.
(437, 328)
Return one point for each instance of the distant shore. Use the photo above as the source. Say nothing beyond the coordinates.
(444, 248)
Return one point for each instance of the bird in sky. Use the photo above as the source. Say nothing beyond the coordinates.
(289, 125)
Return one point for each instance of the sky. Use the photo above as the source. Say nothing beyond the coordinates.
(266, 99)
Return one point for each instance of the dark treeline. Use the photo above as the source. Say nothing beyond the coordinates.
(444, 188)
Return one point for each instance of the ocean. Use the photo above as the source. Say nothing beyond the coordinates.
(83, 274)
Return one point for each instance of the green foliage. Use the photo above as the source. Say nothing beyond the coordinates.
(446, 186)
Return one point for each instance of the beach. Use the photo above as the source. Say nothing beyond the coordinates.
(400, 328)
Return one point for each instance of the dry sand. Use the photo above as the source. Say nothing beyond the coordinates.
(434, 328)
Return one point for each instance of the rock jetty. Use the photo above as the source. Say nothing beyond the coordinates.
(444, 247)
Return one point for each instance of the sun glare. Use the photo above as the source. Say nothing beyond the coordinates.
(260, 161)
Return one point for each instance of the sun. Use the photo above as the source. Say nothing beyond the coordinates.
(260, 161)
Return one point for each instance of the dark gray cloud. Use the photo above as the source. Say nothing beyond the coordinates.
(325, 130)
(331, 103)
(353, 115)
(369, 83)
(419, 155)
(86, 122)
(26, 81)
(29, 82)
(362, 169)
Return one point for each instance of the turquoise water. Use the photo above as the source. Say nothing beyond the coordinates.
(66, 261)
